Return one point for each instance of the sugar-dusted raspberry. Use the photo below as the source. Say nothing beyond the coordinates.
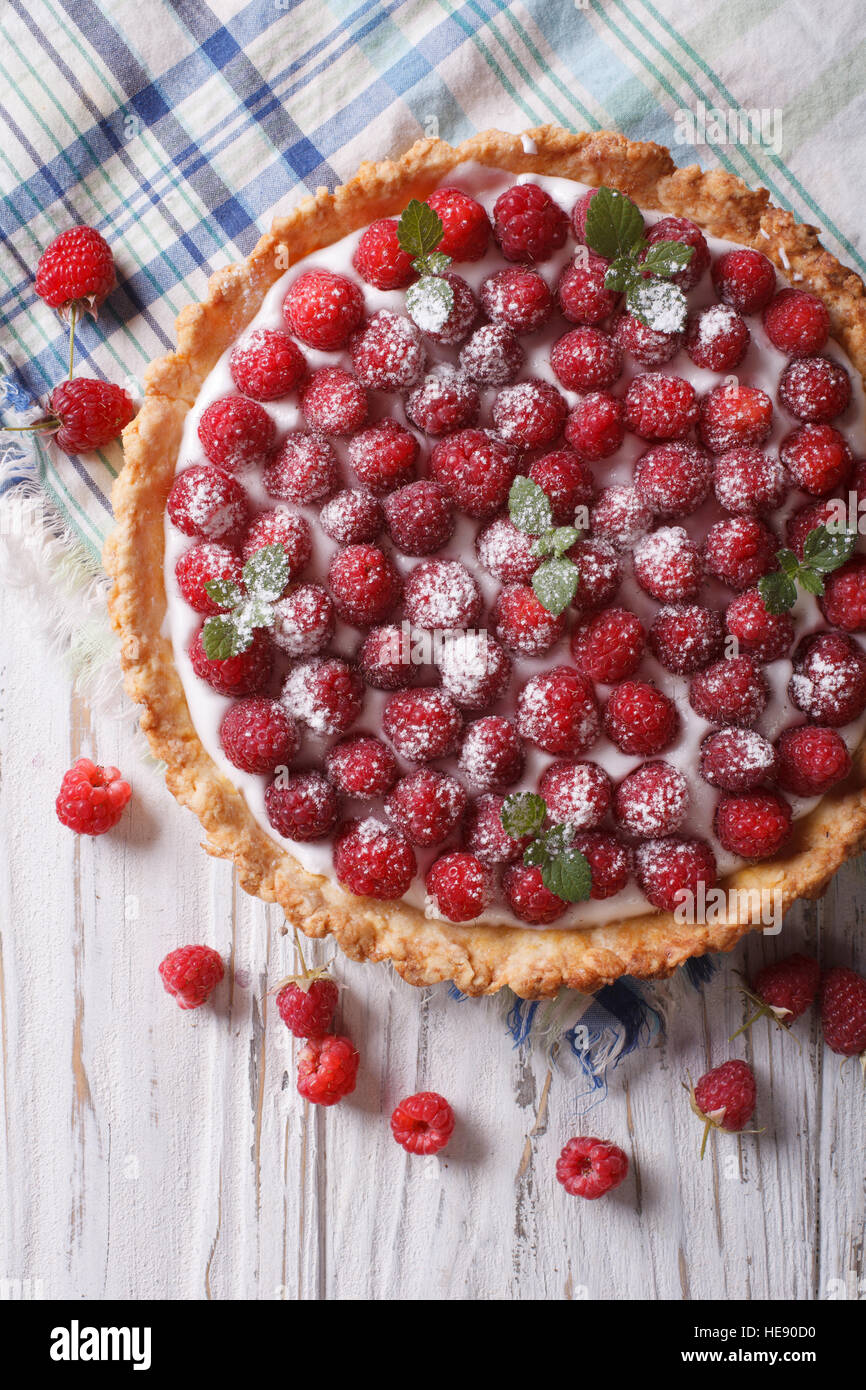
(583, 297)
(464, 312)
(817, 457)
(811, 760)
(596, 426)
(485, 835)
(388, 353)
(522, 623)
(423, 724)
(765, 636)
(747, 482)
(423, 1123)
(685, 637)
(731, 691)
(744, 279)
(236, 433)
(491, 755)
(365, 584)
(829, 680)
(474, 669)
(797, 323)
(258, 735)
(667, 564)
(844, 600)
(528, 898)
(267, 364)
(91, 799)
(739, 550)
(505, 552)
(361, 765)
(529, 415)
(304, 621)
(652, 801)
(427, 806)
(638, 718)
(460, 887)
(682, 230)
(609, 646)
(660, 407)
(492, 356)
(323, 309)
(441, 594)
(651, 347)
(735, 416)
(475, 470)
(586, 360)
(599, 571)
(673, 479)
(374, 860)
(206, 502)
(420, 517)
(577, 793)
(302, 806)
(379, 258)
(446, 400)
(717, 339)
(385, 658)
(557, 711)
(620, 517)
(284, 528)
(609, 860)
(567, 480)
(737, 760)
(352, 517)
(198, 566)
(753, 825)
(245, 674)
(589, 1167)
(815, 389)
(517, 298)
(325, 694)
(825, 512)
(528, 225)
(466, 228)
(334, 401)
(383, 456)
(673, 870)
(305, 470)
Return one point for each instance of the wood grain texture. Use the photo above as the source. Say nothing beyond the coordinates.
(153, 1153)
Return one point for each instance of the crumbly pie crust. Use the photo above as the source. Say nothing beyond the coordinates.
(478, 958)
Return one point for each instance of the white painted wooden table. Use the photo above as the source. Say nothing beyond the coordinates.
(155, 1153)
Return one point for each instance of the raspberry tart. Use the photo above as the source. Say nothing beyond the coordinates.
(485, 562)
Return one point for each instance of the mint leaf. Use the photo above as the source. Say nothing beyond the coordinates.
(658, 304)
(529, 507)
(778, 591)
(224, 592)
(614, 225)
(266, 572)
(621, 275)
(563, 539)
(555, 585)
(811, 580)
(826, 550)
(788, 562)
(558, 839)
(430, 301)
(221, 638)
(522, 814)
(568, 876)
(434, 264)
(419, 230)
(667, 257)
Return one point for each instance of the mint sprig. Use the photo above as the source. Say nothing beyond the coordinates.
(250, 604)
(564, 870)
(555, 581)
(614, 229)
(824, 551)
(431, 299)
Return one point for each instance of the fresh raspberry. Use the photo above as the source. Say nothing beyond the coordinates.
(492, 356)
(244, 674)
(304, 621)
(305, 470)
(491, 755)
(765, 636)
(811, 760)
(529, 415)
(474, 669)
(557, 711)
(753, 825)
(789, 986)
(577, 793)
(486, 836)
(797, 323)
(667, 564)
(91, 799)
(441, 594)
(466, 229)
(638, 718)
(815, 389)
(583, 297)
(518, 299)
(379, 258)
(374, 860)
(361, 765)
(528, 225)
(682, 230)
(580, 212)
(323, 309)
(334, 401)
(651, 347)
(817, 457)
(844, 601)
(464, 312)
(427, 806)
(77, 268)
(287, 529)
(423, 724)
(505, 552)
(737, 760)
(459, 886)
(599, 574)
(843, 1011)
(446, 400)
(672, 870)
(609, 646)
(567, 481)
(725, 1097)
(829, 680)
(590, 1167)
(717, 338)
(302, 806)
(609, 860)
(385, 658)
(528, 898)
(191, 973)
(620, 516)
(257, 735)
(739, 550)
(731, 691)
(325, 694)
(352, 517)
(805, 519)
(735, 416)
(660, 407)
(307, 1007)
(586, 360)
(384, 456)
(206, 502)
(365, 584)
(652, 801)
(475, 470)
(673, 479)
(523, 624)
(327, 1069)
(747, 481)
(423, 1124)
(201, 564)
(685, 637)
(420, 517)
(596, 426)
(267, 364)
(744, 279)
(388, 353)
(87, 414)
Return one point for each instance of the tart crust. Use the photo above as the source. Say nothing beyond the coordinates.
(480, 959)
